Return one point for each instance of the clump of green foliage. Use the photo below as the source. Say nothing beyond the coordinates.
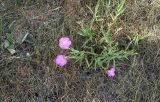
(99, 49)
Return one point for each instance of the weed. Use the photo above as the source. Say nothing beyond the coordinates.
(100, 53)
(9, 43)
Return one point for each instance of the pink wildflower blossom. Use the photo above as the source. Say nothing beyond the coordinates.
(111, 72)
(64, 43)
(60, 60)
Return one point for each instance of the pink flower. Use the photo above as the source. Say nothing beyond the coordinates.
(60, 60)
(64, 43)
(111, 72)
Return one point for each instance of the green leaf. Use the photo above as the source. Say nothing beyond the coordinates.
(9, 43)
(6, 43)
(12, 51)
(10, 47)
(22, 38)
(86, 32)
(121, 6)
(96, 8)
(10, 37)
(90, 9)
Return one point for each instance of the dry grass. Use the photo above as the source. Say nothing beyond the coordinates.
(38, 80)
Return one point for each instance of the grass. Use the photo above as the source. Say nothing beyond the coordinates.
(30, 74)
(99, 49)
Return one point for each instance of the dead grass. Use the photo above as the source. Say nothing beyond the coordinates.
(39, 80)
